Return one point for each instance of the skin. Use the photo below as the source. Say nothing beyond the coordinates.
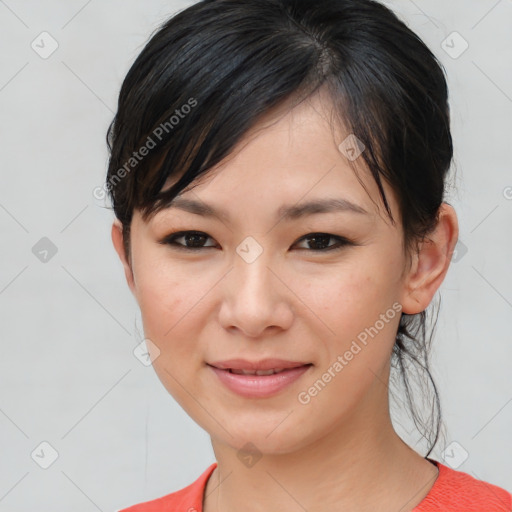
(340, 450)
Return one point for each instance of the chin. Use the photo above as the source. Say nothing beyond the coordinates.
(262, 437)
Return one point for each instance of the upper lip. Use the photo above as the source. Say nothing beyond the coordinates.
(264, 364)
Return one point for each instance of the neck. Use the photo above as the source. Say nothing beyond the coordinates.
(361, 465)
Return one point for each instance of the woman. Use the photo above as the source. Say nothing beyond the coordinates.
(277, 173)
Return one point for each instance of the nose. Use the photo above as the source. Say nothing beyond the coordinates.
(255, 298)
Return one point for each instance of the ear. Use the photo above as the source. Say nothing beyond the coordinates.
(431, 263)
(117, 240)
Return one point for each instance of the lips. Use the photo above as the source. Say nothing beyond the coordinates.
(257, 372)
(262, 367)
(256, 379)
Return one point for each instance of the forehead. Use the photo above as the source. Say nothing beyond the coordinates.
(285, 165)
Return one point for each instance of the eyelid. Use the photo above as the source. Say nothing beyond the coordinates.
(171, 237)
(341, 241)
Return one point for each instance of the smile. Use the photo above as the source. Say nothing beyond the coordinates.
(259, 383)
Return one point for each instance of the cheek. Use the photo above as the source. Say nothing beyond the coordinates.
(164, 296)
(348, 294)
(164, 303)
(169, 310)
(174, 300)
(354, 306)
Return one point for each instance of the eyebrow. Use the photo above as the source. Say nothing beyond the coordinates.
(286, 212)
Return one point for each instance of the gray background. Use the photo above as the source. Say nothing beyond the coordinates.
(69, 324)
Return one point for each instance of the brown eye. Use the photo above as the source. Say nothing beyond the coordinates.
(319, 242)
(195, 241)
(192, 240)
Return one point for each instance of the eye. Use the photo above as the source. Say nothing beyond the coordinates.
(322, 239)
(318, 242)
(195, 238)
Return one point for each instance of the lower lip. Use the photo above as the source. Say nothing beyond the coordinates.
(259, 386)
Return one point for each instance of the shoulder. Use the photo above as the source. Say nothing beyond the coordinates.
(188, 499)
(460, 492)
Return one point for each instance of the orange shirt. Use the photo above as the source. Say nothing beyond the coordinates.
(453, 491)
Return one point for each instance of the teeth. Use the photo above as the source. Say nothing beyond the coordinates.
(257, 372)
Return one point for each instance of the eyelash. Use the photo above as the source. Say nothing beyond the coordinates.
(171, 240)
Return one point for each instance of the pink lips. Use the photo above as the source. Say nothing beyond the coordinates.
(258, 386)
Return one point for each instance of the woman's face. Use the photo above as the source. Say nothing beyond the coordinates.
(261, 288)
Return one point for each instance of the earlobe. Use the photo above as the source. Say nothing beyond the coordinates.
(431, 263)
(117, 240)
